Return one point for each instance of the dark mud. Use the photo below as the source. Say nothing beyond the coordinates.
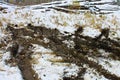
(84, 46)
(23, 60)
(78, 55)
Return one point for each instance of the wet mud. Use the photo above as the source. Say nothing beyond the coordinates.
(78, 55)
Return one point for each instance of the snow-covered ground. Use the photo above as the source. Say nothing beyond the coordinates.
(6, 71)
(92, 75)
(48, 65)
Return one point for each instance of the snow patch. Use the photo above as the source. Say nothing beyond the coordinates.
(92, 75)
(7, 72)
(111, 65)
(50, 67)
(91, 32)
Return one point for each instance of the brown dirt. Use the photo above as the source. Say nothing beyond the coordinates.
(78, 55)
(30, 2)
(75, 55)
(27, 72)
(22, 60)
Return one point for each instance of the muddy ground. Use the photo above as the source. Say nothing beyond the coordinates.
(84, 47)
(78, 55)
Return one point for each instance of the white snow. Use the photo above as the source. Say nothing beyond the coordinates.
(92, 75)
(1, 34)
(9, 7)
(7, 72)
(50, 67)
(112, 66)
(91, 32)
(64, 22)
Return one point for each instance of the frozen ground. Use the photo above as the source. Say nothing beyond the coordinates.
(47, 65)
